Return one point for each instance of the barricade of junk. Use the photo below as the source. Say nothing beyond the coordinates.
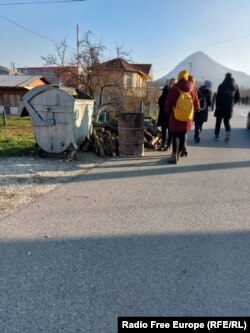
(63, 121)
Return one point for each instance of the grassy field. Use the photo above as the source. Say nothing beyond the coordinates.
(16, 139)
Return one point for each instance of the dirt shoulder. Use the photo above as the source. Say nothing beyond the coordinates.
(24, 179)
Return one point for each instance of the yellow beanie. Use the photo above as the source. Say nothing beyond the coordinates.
(183, 75)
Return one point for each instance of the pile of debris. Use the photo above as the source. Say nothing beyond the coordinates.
(104, 139)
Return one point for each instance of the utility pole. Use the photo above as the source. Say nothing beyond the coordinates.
(77, 54)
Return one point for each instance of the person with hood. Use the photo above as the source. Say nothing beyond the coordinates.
(205, 97)
(227, 96)
(177, 127)
(163, 119)
(184, 152)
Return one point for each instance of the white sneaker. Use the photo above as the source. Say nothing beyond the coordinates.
(216, 138)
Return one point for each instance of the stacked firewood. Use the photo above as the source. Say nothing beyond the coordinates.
(104, 139)
(152, 136)
(106, 143)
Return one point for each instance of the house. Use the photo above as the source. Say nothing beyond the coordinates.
(133, 77)
(13, 87)
(66, 76)
(4, 70)
(118, 79)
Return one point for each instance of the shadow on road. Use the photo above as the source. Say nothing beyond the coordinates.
(240, 138)
(82, 285)
(162, 168)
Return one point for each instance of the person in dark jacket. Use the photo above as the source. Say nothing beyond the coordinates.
(205, 97)
(180, 128)
(213, 101)
(227, 96)
(163, 118)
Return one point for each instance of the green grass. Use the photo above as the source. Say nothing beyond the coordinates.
(16, 139)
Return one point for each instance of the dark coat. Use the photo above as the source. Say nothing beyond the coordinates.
(186, 86)
(205, 97)
(227, 95)
(162, 117)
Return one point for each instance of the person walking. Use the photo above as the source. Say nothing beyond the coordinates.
(227, 96)
(213, 101)
(184, 152)
(205, 98)
(163, 118)
(185, 91)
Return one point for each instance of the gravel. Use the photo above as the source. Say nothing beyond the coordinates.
(24, 179)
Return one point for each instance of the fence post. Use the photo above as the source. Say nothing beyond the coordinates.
(141, 107)
(4, 118)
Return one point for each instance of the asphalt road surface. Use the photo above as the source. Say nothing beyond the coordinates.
(134, 237)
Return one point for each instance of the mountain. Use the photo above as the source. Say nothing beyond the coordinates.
(205, 68)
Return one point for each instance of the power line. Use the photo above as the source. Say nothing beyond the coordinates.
(38, 3)
(204, 46)
(33, 32)
(225, 41)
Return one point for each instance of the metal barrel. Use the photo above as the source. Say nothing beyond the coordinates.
(131, 134)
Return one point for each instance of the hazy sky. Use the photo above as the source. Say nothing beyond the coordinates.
(160, 32)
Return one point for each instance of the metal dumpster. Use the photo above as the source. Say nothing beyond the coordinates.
(61, 119)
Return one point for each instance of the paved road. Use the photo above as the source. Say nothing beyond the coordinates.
(134, 237)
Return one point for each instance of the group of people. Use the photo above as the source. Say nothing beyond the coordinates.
(182, 96)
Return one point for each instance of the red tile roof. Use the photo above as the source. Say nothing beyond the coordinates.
(120, 64)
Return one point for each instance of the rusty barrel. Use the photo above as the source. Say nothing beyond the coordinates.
(131, 134)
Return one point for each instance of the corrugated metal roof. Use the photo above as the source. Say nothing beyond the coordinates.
(20, 81)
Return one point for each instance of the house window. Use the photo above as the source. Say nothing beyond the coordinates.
(129, 83)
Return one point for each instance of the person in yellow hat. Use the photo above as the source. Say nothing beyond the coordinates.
(179, 128)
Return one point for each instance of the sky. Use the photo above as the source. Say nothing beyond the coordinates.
(158, 32)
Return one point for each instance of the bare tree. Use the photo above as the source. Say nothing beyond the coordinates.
(59, 59)
(92, 76)
(122, 54)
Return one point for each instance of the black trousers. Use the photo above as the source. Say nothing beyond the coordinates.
(179, 140)
(164, 132)
(218, 124)
(197, 129)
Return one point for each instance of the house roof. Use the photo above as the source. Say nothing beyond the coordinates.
(48, 68)
(4, 69)
(145, 68)
(55, 75)
(120, 64)
(18, 81)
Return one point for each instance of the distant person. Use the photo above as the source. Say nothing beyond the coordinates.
(163, 118)
(205, 98)
(213, 101)
(227, 96)
(181, 116)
